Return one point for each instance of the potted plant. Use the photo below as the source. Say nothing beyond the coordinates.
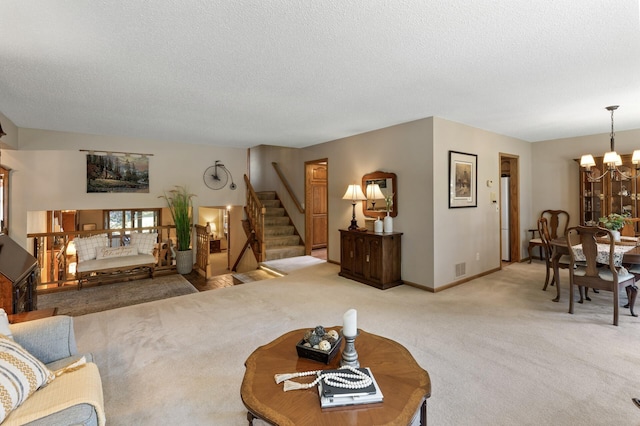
(614, 222)
(180, 204)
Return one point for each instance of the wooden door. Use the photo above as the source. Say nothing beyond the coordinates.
(316, 205)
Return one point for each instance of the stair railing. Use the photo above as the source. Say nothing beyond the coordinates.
(255, 213)
(284, 181)
(202, 249)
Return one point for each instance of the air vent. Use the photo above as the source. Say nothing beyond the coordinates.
(461, 269)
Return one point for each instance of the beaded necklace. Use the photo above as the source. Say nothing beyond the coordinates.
(356, 379)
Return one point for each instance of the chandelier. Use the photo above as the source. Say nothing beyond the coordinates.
(611, 159)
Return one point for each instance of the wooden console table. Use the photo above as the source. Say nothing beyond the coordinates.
(404, 385)
(371, 258)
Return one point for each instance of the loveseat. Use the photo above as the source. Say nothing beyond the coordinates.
(96, 259)
(75, 396)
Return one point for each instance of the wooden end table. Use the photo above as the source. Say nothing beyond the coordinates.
(32, 315)
(404, 384)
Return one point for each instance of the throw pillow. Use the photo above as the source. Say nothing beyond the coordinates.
(4, 324)
(86, 247)
(146, 242)
(110, 252)
(21, 374)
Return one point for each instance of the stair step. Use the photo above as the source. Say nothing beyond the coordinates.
(276, 221)
(271, 203)
(270, 231)
(284, 252)
(274, 211)
(266, 195)
(250, 276)
(279, 241)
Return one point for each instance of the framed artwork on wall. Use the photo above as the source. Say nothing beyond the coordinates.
(117, 173)
(463, 180)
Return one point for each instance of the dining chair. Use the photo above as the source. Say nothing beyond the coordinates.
(557, 223)
(564, 260)
(605, 276)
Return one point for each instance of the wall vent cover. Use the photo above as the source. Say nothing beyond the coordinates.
(461, 269)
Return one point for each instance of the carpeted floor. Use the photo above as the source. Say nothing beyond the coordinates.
(497, 349)
(111, 296)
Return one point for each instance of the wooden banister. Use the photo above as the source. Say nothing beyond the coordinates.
(255, 213)
(284, 181)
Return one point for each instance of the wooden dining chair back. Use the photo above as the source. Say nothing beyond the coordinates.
(563, 261)
(591, 274)
(557, 223)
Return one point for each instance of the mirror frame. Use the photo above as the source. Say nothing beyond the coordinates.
(375, 176)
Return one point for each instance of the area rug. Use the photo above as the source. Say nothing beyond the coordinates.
(117, 295)
(290, 264)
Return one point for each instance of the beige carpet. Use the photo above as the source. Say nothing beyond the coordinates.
(498, 350)
(111, 296)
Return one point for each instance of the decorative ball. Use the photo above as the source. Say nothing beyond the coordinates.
(324, 345)
(314, 339)
(334, 334)
(319, 330)
(316, 347)
(307, 334)
(307, 344)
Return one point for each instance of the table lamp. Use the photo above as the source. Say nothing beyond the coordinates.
(355, 194)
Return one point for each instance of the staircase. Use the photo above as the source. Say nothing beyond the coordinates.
(281, 238)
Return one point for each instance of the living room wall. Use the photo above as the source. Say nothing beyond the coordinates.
(49, 173)
(435, 237)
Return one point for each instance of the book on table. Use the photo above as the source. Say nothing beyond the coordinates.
(333, 396)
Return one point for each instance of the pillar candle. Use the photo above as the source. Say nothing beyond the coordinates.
(350, 326)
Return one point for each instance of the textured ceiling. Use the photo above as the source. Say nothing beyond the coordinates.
(297, 73)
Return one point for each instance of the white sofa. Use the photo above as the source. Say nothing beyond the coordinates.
(97, 260)
(73, 398)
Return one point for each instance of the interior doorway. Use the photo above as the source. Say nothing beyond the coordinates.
(217, 219)
(509, 208)
(316, 208)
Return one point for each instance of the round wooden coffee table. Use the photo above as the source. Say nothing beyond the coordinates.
(404, 384)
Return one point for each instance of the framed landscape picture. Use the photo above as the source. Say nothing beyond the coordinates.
(463, 180)
(117, 173)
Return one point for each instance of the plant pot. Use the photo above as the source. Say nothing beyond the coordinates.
(616, 235)
(184, 261)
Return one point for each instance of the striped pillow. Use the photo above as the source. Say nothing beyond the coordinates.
(21, 374)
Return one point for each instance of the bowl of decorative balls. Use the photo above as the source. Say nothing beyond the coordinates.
(319, 344)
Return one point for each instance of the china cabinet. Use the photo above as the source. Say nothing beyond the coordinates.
(614, 193)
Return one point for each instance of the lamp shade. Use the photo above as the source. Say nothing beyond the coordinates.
(374, 192)
(610, 157)
(587, 161)
(354, 193)
(635, 159)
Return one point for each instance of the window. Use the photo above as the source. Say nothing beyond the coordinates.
(124, 219)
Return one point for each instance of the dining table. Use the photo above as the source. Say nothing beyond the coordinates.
(624, 253)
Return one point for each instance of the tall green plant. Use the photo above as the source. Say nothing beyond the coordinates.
(180, 205)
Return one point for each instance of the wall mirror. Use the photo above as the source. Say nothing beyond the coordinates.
(375, 205)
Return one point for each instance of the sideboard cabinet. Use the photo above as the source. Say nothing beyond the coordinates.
(371, 258)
